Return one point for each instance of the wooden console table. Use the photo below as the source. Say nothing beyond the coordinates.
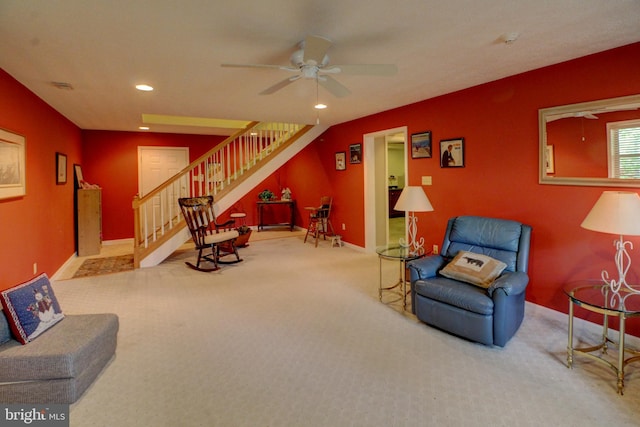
(290, 203)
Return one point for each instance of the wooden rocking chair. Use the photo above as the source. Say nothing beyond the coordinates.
(207, 233)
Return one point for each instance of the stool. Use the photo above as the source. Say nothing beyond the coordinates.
(237, 215)
(336, 239)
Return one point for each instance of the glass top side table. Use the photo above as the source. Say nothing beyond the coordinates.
(596, 296)
(402, 255)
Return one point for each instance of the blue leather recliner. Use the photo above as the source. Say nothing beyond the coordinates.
(488, 316)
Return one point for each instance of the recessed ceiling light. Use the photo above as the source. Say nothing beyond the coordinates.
(62, 85)
(320, 106)
(509, 38)
(143, 127)
(145, 88)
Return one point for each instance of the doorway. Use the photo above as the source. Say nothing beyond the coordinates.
(377, 182)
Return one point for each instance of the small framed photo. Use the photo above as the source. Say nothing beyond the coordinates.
(61, 168)
(355, 153)
(551, 167)
(341, 161)
(452, 153)
(421, 145)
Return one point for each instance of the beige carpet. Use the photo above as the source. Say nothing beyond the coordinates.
(295, 336)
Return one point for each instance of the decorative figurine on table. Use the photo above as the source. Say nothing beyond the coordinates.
(286, 193)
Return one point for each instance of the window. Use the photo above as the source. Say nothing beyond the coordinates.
(624, 149)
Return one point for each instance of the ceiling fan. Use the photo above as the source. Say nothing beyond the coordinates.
(311, 61)
(591, 114)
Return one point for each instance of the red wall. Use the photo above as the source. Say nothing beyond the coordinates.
(37, 228)
(499, 121)
(110, 159)
(308, 180)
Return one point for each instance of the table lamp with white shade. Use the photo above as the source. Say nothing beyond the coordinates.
(617, 212)
(413, 199)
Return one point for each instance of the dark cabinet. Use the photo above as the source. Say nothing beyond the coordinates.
(394, 195)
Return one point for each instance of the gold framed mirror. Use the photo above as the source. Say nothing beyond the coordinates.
(579, 143)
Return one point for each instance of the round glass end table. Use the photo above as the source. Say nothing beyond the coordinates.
(597, 297)
(403, 255)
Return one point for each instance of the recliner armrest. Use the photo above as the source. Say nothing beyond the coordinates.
(512, 282)
(426, 267)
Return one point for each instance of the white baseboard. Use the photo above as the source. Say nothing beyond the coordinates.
(57, 275)
(118, 242)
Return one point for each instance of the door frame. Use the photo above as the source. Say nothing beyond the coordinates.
(372, 176)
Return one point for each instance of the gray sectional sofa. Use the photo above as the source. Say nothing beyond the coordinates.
(58, 366)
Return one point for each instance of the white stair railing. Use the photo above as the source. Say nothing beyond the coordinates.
(157, 215)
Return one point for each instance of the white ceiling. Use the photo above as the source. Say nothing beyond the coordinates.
(102, 48)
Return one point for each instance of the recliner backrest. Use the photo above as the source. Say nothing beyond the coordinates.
(505, 240)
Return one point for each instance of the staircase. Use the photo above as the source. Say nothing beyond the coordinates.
(228, 172)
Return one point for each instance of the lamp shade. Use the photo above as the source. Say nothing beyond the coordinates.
(413, 199)
(615, 212)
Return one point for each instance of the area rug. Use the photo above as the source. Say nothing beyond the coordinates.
(98, 266)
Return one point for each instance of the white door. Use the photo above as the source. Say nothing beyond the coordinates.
(155, 166)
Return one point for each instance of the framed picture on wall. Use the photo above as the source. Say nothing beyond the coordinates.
(61, 168)
(452, 153)
(421, 145)
(12, 165)
(341, 161)
(355, 153)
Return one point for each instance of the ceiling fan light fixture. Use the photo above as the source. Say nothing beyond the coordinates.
(311, 61)
(144, 87)
(510, 38)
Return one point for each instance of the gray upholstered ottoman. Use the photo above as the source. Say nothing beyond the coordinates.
(59, 365)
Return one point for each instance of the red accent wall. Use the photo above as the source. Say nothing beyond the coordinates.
(37, 228)
(306, 175)
(110, 159)
(499, 121)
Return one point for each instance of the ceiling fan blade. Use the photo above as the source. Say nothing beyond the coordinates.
(554, 117)
(280, 85)
(333, 86)
(250, 66)
(363, 69)
(315, 49)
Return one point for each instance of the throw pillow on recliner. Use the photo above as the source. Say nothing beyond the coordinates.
(477, 269)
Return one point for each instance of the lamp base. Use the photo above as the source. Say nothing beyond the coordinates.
(416, 246)
(623, 263)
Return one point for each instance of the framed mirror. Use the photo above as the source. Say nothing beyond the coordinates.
(593, 143)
